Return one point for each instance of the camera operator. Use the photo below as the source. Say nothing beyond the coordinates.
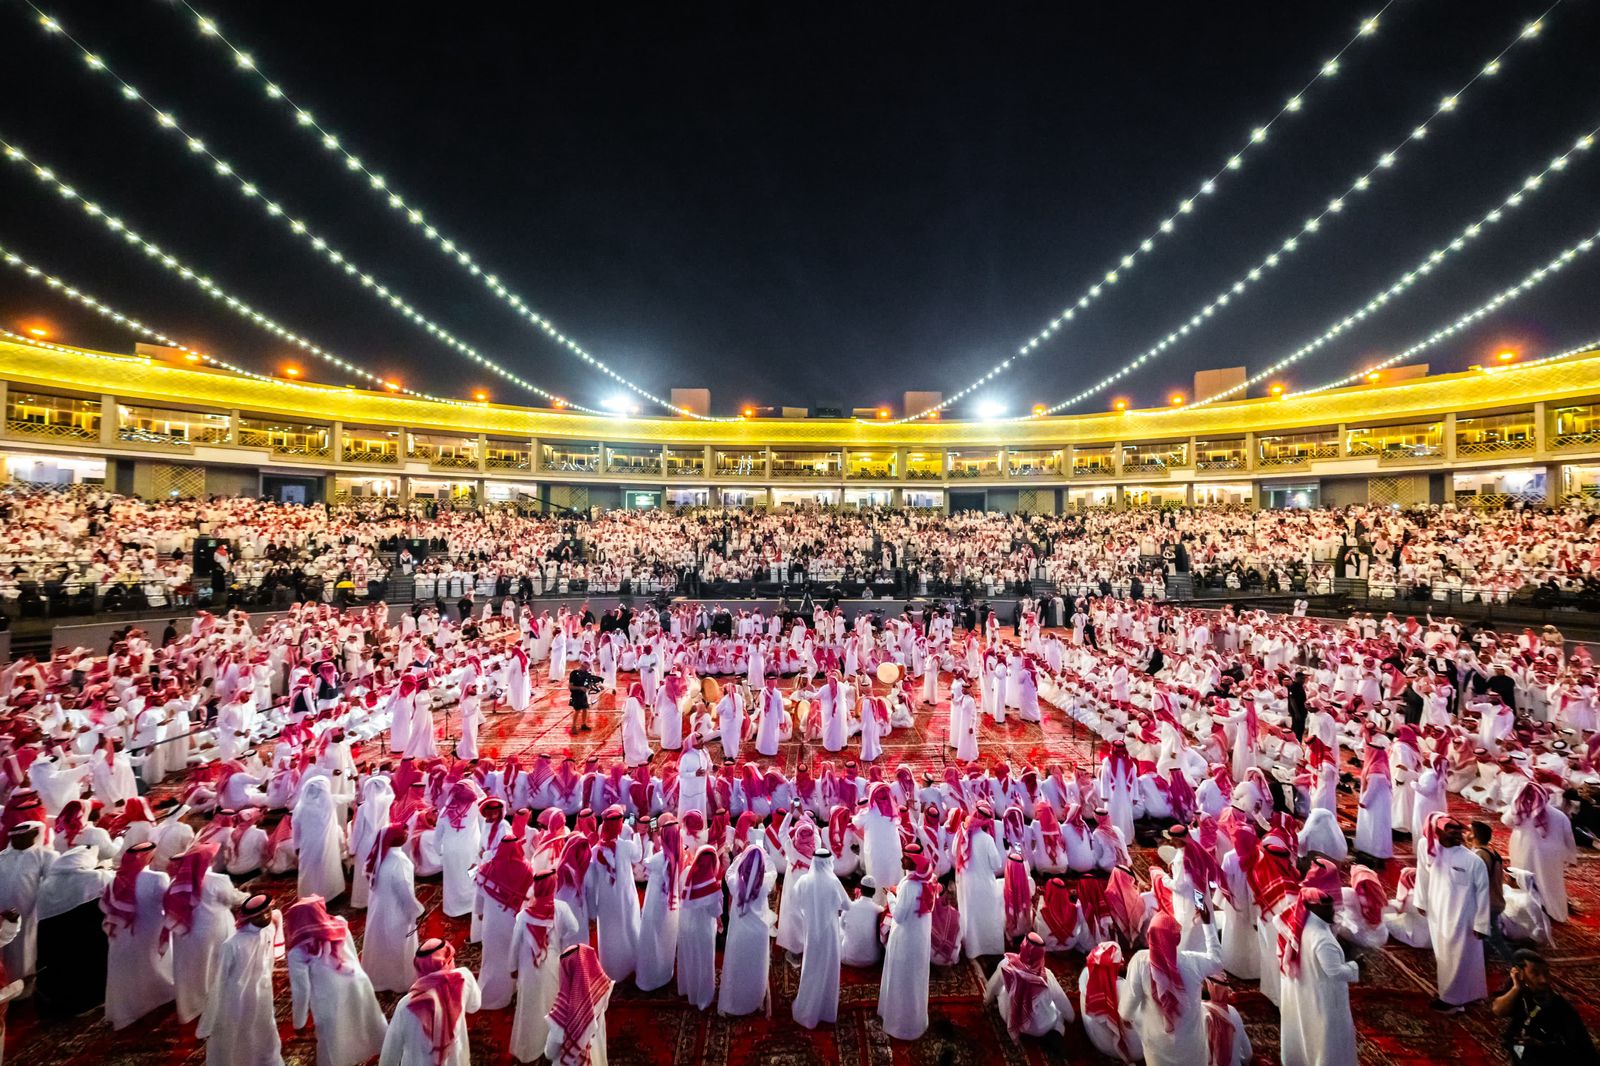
(581, 684)
(1541, 1026)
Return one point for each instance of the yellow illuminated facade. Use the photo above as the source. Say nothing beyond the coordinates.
(1410, 441)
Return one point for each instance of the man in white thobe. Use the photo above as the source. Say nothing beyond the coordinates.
(1029, 997)
(238, 1025)
(22, 866)
(903, 989)
(694, 766)
(611, 887)
(769, 720)
(1541, 841)
(1458, 919)
(836, 702)
(821, 899)
(858, 937)
(1317, 1026)
(730, 717)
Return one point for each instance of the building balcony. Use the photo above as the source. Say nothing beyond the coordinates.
(371, 456)
(1146, 470)
(1284, 462)
(1300, 460)
(1572, 442)
(1209, 466)
(287, 447)
(1477, 448)
(794, 473)
(635, 467)
(509, 462)
(19, 427)
(1409, 454)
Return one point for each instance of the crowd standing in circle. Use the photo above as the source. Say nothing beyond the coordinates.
(342, 748)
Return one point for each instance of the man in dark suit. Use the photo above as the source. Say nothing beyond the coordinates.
(1413, 705)
(1297, 704)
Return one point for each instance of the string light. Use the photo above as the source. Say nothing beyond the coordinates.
(1530, 281)
(1518, 196)
(182, 270)
(417, 220)
(1312, 225)
(298, 227)
(106, 311)
(1204, 190)
(1588, 347)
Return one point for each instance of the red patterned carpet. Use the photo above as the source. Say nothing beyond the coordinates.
(653, 1029)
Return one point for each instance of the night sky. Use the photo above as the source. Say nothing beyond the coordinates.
(805, 204)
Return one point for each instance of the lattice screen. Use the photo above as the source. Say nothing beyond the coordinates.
(168, 480)
(573, 496)
(1383, 491)
(1036, 501)
(1406, 490)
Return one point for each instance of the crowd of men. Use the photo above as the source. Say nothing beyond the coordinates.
(342, 748)
(140, 552)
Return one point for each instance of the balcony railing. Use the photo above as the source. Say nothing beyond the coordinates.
(1575, 441)
(378, 456)
(1297, 460)
(571, 465)
(1094, 470)
(1154, 468)
(1400, 454)
(453, 462)
(636, 466)
(924, 474)
(1493, 447)
(808, 472)
(686, 468)
(259, 438)
(509, 462)
(1236, 463)
(185, 440)
(871, 473)
(21, 427)
(1035, 471)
